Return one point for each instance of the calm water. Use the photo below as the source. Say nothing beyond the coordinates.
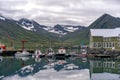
(67, 69)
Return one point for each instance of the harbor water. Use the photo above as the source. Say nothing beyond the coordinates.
(73, 68)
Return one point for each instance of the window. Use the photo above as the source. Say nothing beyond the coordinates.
(107, 44)
(113, 44)
(103, 44)
(95, 44)
(118, 44)
(110, 44)
(99, 44)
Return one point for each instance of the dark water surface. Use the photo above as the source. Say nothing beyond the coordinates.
(27, 68)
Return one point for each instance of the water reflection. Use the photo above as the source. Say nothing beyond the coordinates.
(105, 69)
(24, 68)
(44, 69)
(23, 58)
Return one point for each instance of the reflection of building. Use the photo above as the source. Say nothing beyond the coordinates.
(104, 68)
(105, 38)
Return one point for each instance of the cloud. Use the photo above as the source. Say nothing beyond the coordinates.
(51, 12)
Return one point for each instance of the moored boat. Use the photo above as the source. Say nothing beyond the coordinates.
(50, 52)
(61, 53)
(24, 53)
(38, 54)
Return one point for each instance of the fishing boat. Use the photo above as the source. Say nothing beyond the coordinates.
(24, 53)
(61, 53)
(38, 54)
(50, 52)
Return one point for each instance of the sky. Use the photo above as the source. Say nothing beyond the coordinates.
(64, 12)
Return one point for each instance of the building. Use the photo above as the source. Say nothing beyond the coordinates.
(108, 39)
(2, 47)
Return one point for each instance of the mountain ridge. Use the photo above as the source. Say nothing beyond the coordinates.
(105, 21)
(41, 35)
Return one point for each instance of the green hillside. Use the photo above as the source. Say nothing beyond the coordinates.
(78, 37)
(82, 36)
(44, 38)
(17, 34)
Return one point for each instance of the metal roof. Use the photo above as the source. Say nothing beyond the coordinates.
(105, 32)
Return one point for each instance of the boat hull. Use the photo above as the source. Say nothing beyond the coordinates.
(23, 54)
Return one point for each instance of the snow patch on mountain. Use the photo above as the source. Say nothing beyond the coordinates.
(2, 18)
(70, 28)
(27, 26)
(57, 29)
(53, 30)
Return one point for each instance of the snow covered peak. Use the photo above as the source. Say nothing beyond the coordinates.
(62, 29)
(58, 29)
(70, 28)
(26, 24)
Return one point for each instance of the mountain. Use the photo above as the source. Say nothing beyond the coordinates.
(30, 25)
(40, 35)
(80, 36)
(105, 21)
(65, 29)
(32, 31)
(10, 32)
(36, 27)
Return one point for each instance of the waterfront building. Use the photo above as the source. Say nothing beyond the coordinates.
(108, 39)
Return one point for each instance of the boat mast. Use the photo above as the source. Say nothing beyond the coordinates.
(60, 36)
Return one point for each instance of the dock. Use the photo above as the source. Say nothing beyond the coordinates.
(12, 52)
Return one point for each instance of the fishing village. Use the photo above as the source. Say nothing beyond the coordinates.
(100, 46)
(59, 39)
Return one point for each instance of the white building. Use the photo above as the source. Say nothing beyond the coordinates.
(105, 38)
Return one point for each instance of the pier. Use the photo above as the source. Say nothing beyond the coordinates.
(12, 52)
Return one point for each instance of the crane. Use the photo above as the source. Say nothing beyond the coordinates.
(23, 41)
(11, 41)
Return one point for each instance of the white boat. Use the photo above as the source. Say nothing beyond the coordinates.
(61, 54)
(50, 52)
(61, 51)
(84, 49)
(38, 53)
(24, 53)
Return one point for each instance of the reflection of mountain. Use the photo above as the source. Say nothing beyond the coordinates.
(51, 74)
(105, 70)
(67, 69)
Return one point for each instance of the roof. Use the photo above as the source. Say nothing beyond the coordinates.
(105, 32)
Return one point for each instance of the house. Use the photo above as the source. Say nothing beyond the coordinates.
(108, 39)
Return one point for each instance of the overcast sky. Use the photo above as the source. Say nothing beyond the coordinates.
(51, 12)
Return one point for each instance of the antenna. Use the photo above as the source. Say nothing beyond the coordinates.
(60, 36)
